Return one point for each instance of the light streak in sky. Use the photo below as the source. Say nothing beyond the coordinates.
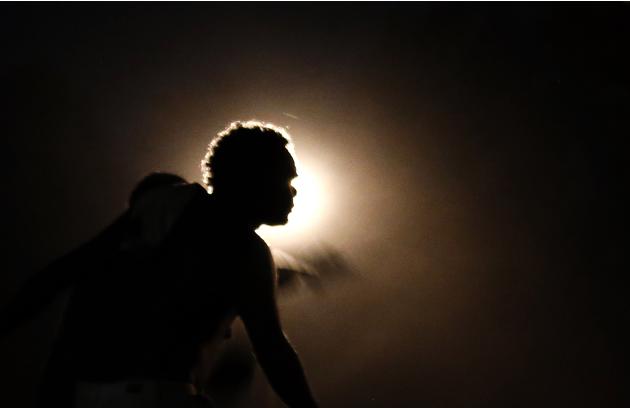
(291, 116)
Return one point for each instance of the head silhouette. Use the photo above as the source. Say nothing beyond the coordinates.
(250, 165)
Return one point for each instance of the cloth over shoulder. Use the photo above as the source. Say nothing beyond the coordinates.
(155, 213)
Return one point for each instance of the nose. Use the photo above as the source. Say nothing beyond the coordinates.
(293, 191)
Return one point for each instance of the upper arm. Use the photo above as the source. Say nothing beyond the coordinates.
(257, 305)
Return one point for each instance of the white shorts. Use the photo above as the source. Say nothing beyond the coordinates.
(139, 394)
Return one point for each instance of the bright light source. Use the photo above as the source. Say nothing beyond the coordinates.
(308, 210)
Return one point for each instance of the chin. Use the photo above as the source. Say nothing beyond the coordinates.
(280, 219)
(274, 223)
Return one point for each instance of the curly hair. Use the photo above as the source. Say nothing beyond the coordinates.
(246, 149)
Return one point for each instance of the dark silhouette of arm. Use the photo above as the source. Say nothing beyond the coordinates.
(259, 312)
(42, 288)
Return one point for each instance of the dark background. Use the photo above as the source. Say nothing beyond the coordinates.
(474, 168)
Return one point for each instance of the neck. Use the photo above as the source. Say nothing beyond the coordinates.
(234, 211)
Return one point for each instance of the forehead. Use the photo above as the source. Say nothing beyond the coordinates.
(292, 169)
(287, 165)
(281, 165)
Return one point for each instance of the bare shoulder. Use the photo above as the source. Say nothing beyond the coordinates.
(256, 273)
(256, 260)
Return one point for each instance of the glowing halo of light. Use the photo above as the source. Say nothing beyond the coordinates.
(308, 211)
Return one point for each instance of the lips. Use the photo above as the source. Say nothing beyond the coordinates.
(288, 209)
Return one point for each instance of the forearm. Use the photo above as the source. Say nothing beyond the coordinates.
(284, 371)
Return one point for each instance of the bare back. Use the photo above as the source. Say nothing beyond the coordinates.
(151, 313)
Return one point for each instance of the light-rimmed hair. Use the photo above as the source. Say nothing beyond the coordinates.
(243, 150)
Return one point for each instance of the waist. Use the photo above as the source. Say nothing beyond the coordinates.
(134, 392)
(134, 385)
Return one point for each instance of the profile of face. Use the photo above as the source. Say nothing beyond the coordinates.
(274, 193)
(251, 171)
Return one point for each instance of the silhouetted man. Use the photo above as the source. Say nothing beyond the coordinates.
(171, 274)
